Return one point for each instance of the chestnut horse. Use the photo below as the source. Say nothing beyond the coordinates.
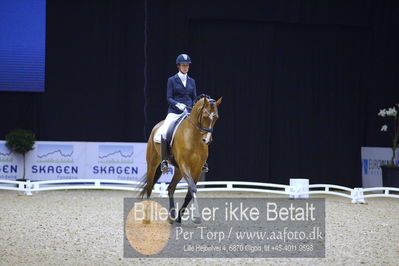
(190, 152)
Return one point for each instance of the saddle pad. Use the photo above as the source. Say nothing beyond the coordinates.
(170, 134)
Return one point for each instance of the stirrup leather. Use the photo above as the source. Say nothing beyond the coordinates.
(164, 156)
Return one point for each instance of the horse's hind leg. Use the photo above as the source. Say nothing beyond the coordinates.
(153, 174)
(153, 171)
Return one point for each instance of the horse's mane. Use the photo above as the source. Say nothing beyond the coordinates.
(199, 97)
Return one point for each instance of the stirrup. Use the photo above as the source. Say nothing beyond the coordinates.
(205, 168)
(164, 166)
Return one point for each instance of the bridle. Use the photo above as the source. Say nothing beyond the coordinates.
(204, 130)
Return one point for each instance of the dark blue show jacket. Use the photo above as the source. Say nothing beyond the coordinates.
(177, 93)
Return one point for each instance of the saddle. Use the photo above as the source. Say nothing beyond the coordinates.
(170, 134)
(166, 145)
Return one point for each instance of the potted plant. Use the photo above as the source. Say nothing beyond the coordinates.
(20, 141)
(390, 171)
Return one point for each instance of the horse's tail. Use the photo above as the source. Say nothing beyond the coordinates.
(143, 186)
(146, 185)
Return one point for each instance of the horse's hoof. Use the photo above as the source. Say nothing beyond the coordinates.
(197, 220)
(146, 221)
(172, 215)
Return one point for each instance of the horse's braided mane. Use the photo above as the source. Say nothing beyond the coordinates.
(203, 96)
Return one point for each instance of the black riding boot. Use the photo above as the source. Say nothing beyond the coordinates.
(205, 168)
(164, 156)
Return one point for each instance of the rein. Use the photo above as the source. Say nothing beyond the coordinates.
(200, 128)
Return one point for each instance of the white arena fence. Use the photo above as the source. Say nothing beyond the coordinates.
(357, 195)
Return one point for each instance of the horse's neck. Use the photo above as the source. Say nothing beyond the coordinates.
(192, 124)
(194, 117)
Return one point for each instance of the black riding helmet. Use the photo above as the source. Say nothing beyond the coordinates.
(183, 58)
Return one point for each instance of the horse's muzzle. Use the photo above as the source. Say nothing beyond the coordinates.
(207, 139)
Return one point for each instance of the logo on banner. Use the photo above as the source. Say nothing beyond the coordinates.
(365, 166)
(7, 165)
(373, 166)
(115, 154)
(5, 154)
(55, 159)
(116, 160)
(54, 153)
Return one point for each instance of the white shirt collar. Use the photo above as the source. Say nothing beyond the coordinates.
(182, 76)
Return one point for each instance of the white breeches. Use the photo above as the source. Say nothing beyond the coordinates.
(162, 130)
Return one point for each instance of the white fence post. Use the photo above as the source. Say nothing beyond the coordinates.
(357, 195)
(299, 188)
(28, 188)
(161, 189)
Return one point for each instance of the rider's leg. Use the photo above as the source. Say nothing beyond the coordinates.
(160, 136)
(161, 132)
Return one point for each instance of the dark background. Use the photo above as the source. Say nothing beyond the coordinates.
(302, 81)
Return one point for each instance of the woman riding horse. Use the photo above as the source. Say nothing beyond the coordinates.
(181, 93)
(190, 152)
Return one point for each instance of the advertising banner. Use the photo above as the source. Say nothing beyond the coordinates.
(372, 158)
(11, 164)
(51, 160)
(167, 177)
(112, 160)
(55, 160)
(119, 161)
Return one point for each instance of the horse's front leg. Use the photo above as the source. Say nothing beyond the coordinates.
(193, 189)
(184, 206)
(191, 195)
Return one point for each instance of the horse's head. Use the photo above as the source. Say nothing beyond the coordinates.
(204, 115)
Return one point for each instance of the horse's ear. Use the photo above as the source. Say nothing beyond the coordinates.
(219, 101)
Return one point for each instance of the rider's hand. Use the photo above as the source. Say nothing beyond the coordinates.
(181, 106)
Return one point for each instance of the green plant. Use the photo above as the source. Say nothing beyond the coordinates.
(392, 113)
(20, 141)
